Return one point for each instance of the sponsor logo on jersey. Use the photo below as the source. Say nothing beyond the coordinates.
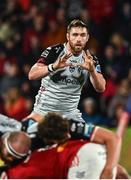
(71, 69)
(57, 49)
(45, 53)
(80, 175)
(64, 79)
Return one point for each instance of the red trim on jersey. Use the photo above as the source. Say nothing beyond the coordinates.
(41, 60)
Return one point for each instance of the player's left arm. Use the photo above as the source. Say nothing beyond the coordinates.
(124, 119)
(96, 77)
(92, 65)
(97, 81)
(113, 145)
(99, 135)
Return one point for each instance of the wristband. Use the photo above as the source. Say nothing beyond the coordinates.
(50, 68)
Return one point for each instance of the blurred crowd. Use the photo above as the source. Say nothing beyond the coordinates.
(27, 27)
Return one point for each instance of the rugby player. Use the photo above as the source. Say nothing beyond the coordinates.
(64, 158)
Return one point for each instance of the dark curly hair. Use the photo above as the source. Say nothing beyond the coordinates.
(53, 128)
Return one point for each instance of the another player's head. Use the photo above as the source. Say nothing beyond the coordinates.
(77, 35)
(53, 129)
(122, 173)
(15, 146)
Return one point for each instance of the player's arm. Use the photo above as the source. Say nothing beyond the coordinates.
(123, 123)
(97, 81)
(8, 124)
(51, 60)
(92, 65)
(124, 119)
(96, 77)
(81, 130)
(38, 71)
(113, 145)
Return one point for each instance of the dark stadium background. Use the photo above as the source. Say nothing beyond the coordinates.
(27, 27)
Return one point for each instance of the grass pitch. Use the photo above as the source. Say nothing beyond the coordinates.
(125, 159)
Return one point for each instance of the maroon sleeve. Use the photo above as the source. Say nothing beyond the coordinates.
(41, 60)
(50, 54)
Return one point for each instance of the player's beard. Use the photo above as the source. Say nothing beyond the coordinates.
(77, 48)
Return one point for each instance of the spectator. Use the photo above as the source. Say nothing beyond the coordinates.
(120, 97)
(15, 105)
(90, 113)
(55, 34)
(11, 77)
(37, 31)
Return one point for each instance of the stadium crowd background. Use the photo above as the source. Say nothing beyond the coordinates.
(27, 27)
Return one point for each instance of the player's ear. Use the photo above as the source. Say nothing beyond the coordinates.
(88, 37)
(67, 36)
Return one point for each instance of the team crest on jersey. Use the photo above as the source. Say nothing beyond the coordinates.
(71, 69)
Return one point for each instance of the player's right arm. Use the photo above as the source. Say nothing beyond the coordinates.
(38, 71)
(50, 60)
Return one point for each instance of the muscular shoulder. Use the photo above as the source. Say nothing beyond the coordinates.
(51, 53)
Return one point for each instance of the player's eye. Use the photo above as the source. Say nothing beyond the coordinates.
(83, 35)
(75, 34)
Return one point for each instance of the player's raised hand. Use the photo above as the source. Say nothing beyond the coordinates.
(62, 61)
(88, 62)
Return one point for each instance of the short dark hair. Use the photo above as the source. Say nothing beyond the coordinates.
(53, 127)
(76, 23)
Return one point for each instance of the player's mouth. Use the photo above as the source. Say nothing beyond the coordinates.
(78, 45)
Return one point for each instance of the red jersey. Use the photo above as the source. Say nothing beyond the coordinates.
(52, 163)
